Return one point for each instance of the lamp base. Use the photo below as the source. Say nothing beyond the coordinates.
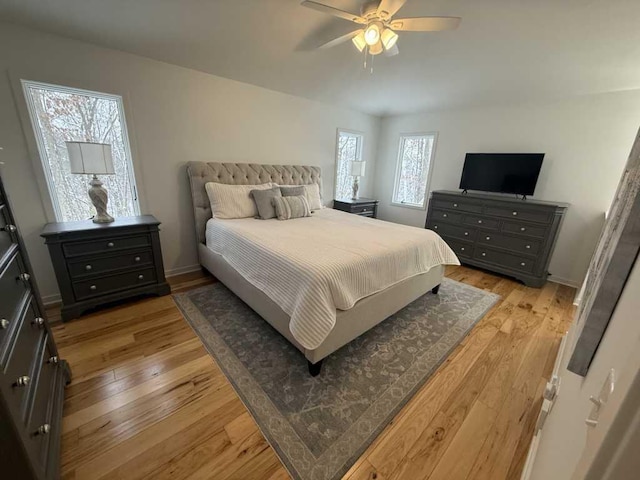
(355, 188)
(99, 198)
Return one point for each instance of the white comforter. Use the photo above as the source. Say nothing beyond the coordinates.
(312, 266)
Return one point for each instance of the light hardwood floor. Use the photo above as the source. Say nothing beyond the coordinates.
(147, 401)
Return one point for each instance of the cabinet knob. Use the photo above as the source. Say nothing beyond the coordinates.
(484, 254)
(444, 215)
(488, 238)
(527, 246)
(140, 277)
(4, 324)
(514, 213)
(466, 234)
(137, 259)
(479, 221)
(24, 277)
(43, 429)
(53, 360)
(462, 249)
(23, 381)
(93, 287)
(522, 229)
(435, 227)
(39, 321)
(110, 244)
(455, 204)
(10, 228)
(88, 267)
(522, 264)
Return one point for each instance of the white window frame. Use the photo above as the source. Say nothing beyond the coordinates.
(396, 181)
(42, 149)
(359, 150)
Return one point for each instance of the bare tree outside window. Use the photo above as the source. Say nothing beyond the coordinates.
(349, 149)
(412, 171)
(61, 114)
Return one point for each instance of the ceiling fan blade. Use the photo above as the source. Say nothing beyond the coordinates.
(425, 24)
(388, 8)
(393, 51)
(320, 7)
(341, 39)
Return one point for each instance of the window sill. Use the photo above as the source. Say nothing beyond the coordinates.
(409, 205)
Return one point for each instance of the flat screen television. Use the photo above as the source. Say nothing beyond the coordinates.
(501, 172)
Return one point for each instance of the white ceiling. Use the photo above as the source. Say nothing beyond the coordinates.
(504, 51)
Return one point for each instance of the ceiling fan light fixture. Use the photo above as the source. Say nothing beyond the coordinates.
(372, 34)
(359, 41)
(389, 38)
(376, 48)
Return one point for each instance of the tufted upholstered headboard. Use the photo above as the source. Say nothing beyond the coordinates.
(240, 174)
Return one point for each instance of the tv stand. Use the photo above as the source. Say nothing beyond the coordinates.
(497, 232)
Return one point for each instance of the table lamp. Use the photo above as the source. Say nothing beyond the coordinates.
(93, 159)
(357, 171)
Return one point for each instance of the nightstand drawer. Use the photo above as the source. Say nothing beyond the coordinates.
(113, 283)
(104, 245)
(96, 266)
(363, 209)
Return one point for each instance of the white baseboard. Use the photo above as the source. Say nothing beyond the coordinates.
(55, 298)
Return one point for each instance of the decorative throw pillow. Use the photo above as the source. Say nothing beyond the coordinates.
(292, 191)
(233, 201)
(313, 196)
(263, 198)
(291, 207)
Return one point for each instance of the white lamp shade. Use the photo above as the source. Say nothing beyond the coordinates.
(91, 158)
(357, 169)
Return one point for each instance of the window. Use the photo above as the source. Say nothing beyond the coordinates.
(348, 149)
(60, 114)
(412, 170)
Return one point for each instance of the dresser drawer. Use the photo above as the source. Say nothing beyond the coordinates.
(481, 222)
(517, 212)
(514, 262)
(363, 209)
(455, 204)
(93, 266)
(39, 422)
(14, 286)
(446, 216)
(74, 249)
(524, 229)
(461, 249)
(520, 245)
(113, 283)
(19, 368)
(455, 231)
(7, 232)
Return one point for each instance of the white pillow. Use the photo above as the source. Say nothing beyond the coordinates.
(313, 196)
(233, 201)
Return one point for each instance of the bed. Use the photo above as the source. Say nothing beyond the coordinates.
(321, 281)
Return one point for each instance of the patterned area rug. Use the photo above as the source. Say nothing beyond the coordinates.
(320, 426)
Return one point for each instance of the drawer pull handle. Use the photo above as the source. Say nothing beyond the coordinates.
(39, 321)
(522, 229)
(43, 429)
(88, 267)
(24, 277)
(4, 324)
(110, 244)
(514, 213)
(527, 246)
(53, 360)
(93, 287)
(466, 234)
(455, 204)
(462, 249)
(140, 277)
(522, 264)
(484, 254)
(444, 215)
(435, 227)
(10, 228)
(488, 238)
(23, 381)
(137, 259)
(479, 221)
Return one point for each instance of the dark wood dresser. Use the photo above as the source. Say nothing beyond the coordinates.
(502, 234)
(33, 376)
(98, 263)
(365, 207)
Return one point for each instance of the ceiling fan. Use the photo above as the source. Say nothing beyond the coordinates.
(377, 33)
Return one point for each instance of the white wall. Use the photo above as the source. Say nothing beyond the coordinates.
(174, 115)
(586, 141)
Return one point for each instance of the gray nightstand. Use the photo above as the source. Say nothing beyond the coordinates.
(101, 263)
(365, 207)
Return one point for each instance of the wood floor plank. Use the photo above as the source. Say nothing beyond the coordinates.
(146, 401)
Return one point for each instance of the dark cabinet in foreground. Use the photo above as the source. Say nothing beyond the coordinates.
(502, 234)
